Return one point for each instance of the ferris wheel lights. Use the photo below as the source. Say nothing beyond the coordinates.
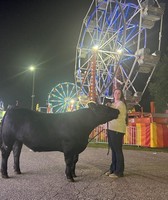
(116, 35)
(83, 99)
(95, 47)
(120, 51)
(72, 101)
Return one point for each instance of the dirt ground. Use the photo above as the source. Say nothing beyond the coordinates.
(43, 178)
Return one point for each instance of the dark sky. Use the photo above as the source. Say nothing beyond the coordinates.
(43, 33)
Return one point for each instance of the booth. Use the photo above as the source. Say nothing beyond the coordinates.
(147, 130)
(150, 130)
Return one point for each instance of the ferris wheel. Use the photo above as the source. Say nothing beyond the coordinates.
(63, 98)
(112, 49)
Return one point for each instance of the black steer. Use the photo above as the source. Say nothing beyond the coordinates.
(64, 132)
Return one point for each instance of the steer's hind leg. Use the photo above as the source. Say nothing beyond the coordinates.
(68, 170)
(5, 152)
(17, 147)
(75, 160)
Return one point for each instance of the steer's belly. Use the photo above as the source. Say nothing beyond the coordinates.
(44, 146)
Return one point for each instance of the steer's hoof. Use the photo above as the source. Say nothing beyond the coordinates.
(70, 180)
(74, 175)
(17, 172)
(5, 176)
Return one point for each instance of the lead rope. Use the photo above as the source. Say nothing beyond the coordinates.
(108, 140)
(96, 136)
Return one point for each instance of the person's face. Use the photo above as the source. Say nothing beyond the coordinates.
(117, 94)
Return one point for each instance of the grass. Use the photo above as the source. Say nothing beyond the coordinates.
(129, 147)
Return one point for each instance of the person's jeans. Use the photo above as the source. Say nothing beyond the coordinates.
(115, 140)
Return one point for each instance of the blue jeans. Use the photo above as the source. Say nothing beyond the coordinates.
(115, 140)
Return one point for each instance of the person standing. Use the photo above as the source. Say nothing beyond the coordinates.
(115, 132)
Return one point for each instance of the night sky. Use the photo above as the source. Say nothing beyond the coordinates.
(43, 33)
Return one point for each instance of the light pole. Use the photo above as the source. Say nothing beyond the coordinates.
(33, 69)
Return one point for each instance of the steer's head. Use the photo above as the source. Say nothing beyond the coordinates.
(103, 113)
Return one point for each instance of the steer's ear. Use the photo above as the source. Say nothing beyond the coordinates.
(92, 105)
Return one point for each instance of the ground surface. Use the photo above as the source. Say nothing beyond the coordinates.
(146, 177)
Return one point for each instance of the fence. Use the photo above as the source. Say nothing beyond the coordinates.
(99, 135)
(130, 138)
(139, 134)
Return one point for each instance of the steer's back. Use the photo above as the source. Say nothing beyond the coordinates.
(39, 131)
(42, 131)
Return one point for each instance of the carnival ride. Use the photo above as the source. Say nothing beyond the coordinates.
(115, 49)
(112, 49)
(63, 98)
(119, 46)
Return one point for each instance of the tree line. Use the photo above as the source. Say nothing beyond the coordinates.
(158, 86)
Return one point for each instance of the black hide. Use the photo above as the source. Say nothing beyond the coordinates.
(64, 132)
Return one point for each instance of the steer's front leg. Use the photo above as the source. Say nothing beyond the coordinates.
(68, 170)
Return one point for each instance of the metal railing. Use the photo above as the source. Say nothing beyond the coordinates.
(99, 135)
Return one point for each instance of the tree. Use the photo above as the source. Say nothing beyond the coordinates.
(158, 87)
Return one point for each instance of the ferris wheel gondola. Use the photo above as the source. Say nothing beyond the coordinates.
(113, 51)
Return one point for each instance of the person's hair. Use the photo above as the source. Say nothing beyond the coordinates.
(124, 101)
